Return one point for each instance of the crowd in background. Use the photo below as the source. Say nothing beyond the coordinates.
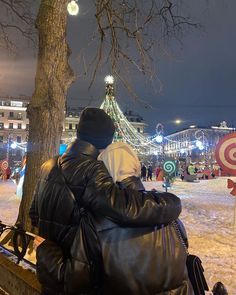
(185, 172)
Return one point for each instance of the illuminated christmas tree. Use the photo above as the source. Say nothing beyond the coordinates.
(124, 130)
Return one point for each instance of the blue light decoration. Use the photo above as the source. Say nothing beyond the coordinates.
(13, 145)
(159, 138)
(199, 145)
(62, 148)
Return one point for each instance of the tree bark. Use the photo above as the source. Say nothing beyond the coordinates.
(46, 109)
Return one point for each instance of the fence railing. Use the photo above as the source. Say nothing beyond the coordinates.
(19, 238)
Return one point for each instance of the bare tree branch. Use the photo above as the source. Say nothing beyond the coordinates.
(128, 31)
(16, 16)
(142, 24)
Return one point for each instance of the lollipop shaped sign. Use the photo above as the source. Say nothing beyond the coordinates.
(4, 165)
(226, 153)
(226, 158)
(169, 167)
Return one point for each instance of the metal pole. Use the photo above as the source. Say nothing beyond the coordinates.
(8, 147)
(235, 212)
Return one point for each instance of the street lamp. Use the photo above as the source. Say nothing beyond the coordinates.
(73, 7)
(178, 121)
(159, 138)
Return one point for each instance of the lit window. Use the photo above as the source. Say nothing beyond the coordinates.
(16, 103)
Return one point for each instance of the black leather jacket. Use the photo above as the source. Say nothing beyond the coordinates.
(56, 214)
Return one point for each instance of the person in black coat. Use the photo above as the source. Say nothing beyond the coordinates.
(149, 174)
(136, 260)
(59, 214)
(143, 172)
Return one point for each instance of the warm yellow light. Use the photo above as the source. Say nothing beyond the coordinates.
(73, 7)
(178, 121)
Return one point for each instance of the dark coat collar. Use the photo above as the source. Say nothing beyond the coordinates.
(82, 147)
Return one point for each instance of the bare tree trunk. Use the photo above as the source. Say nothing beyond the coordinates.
(46, 109)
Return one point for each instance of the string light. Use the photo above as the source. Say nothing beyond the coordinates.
(124, 129)
(21, 145)
(145, 145)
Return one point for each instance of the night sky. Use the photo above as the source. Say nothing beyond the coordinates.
(196, 78)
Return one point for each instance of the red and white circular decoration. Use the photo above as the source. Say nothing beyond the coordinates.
(226, 153)
(4, 165)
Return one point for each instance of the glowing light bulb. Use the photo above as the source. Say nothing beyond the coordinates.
(159, 138)
(109, 79)
(198, 143)
(13, 145)
(73, 7)
(178, 121)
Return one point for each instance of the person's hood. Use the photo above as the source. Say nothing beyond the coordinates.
(121, 161)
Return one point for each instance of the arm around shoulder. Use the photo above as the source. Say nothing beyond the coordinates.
(125, 206)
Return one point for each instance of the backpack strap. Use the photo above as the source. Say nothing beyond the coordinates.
(77, 190)
(91, 240)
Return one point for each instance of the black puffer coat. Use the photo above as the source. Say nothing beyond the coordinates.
(57, 215)
(143, 261)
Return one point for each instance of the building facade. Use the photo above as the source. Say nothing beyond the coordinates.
(70, 124)
(14, 126)
(195, 144)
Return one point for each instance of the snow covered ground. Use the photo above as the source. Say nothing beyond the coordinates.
(9, 202)
(208, 215)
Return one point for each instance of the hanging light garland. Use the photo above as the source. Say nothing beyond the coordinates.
(124, 129)
(183, 146)
(145, 144)
(22, 145)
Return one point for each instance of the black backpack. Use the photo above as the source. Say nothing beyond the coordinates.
(61, 218)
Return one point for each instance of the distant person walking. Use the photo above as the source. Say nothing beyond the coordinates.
(149, 174)
(160, 176)
(143, 173)
(158, 171)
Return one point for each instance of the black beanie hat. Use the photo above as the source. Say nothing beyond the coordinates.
(96, 127)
